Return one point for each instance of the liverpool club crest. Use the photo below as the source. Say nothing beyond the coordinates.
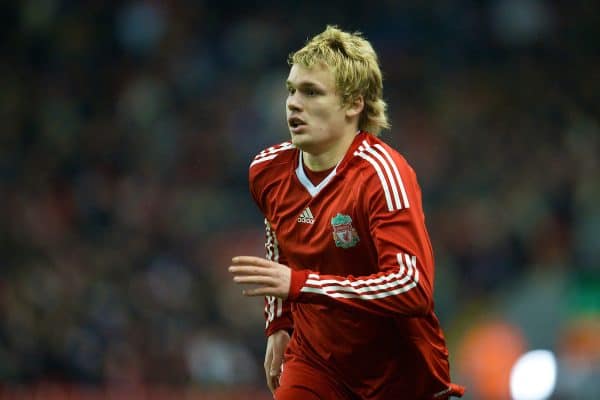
(344, 234)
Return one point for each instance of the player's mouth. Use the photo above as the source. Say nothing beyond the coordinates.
(296, 124)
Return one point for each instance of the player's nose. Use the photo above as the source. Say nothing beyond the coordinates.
(293, 104)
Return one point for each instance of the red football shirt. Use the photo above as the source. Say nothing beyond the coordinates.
(361, 297)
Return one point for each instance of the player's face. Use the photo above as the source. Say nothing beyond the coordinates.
(315, 115)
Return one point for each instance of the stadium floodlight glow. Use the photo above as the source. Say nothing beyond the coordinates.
(533, 377)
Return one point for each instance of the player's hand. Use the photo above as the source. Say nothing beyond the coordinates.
(273, 279)
(276, 344)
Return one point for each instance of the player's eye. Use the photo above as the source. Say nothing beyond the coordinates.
(312, 92)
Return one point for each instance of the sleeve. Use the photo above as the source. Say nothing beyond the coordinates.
(278, 313)
(403, 283)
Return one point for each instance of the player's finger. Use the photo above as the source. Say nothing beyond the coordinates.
(267, 365)
(275, 382)
(251, 260)
(276, 365)
(248, 270)
(261, 291)
(274, 377)
(272, 384)
(254, 279)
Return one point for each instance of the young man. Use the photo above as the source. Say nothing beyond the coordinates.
(349, 269)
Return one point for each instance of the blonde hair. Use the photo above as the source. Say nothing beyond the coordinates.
(356, 70)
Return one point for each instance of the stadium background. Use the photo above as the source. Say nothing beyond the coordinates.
(126, 132)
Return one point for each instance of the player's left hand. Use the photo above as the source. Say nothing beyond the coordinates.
(273, 279)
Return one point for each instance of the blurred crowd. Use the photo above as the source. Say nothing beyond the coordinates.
(128, 127)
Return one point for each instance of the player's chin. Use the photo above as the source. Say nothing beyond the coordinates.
(301, 141)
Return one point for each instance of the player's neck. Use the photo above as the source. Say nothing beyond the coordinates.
(331, 156)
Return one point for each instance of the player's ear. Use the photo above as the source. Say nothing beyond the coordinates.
(356, 106)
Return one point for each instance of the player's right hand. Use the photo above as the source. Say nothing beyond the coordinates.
(276, 344)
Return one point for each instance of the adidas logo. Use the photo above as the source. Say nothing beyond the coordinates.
(306, 217)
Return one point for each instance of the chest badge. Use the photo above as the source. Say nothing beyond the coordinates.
(344, 234)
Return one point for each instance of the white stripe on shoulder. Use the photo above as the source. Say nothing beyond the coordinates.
(271, 152)
(388, 171)
(384, 184)
(263, 159)
(396, 173)
(379, 157)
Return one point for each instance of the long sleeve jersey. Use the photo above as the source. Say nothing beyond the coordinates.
(361, 297)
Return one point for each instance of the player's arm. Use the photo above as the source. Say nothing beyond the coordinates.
(277, 311)
(403, 284)
(278, 318)
(401, 287)
(278, 315)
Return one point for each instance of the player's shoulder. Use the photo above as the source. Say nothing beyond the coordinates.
(267, 163)
(372, 153)
(273, 155)
(383, 169)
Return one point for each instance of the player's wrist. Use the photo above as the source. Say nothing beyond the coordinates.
(285, 324)
(297, 281)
